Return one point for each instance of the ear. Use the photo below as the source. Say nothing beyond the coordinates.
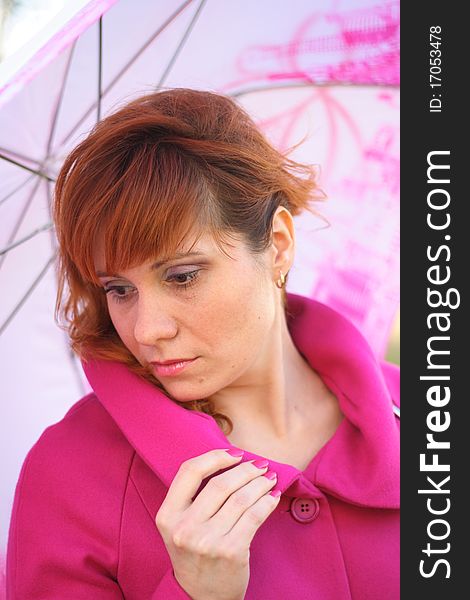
(283, 241)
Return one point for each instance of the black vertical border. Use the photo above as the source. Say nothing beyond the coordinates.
(424, 132)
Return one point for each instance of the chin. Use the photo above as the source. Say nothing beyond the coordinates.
(182, 392)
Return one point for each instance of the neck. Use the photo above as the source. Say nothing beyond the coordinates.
(276, 395)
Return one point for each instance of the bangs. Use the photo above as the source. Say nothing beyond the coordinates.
(153, 201)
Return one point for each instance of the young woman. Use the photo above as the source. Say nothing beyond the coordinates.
(240, 442)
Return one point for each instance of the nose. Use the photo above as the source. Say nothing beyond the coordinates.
(154, 322)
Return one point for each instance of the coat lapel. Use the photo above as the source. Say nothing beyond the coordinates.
(359, 464)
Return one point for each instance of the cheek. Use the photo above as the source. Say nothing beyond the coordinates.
(123, 324)
(237, 318)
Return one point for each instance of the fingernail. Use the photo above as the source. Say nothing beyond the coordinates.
(235, 452)
(275, 493)
(270, 475)
(261, 464)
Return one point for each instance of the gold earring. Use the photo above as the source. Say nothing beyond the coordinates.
(281, 281)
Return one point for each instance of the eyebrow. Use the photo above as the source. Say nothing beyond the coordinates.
(157, 264)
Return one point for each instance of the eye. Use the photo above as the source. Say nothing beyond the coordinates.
(183, 279)
(117, 293)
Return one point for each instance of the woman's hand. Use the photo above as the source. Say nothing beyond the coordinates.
(209, 539)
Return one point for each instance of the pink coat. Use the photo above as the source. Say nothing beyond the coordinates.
(83, 527)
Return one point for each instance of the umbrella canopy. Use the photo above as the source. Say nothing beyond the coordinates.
(327, 70)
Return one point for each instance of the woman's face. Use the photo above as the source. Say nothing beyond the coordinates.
(203, 307)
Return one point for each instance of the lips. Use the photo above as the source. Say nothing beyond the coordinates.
(172, 367)
(170, 361)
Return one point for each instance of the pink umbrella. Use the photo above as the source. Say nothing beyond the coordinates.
(327, 70)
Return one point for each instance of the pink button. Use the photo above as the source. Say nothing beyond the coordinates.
(304, 510)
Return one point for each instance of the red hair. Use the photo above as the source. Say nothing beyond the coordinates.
(142, 177)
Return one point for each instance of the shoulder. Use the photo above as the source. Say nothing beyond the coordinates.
(75, 475)
(84, 441)
(68, 500)
(65, 524)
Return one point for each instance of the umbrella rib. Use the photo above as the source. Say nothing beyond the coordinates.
(181, 44)
(127, 66)
(25, 238)
(293, 84)
(21, 217)
(59, 99)
(18, 164)
(17, 189)
(70, 353)
(18, 156)
(26, 295)
(100, 69)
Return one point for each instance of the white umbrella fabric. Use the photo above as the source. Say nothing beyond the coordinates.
(328, 70)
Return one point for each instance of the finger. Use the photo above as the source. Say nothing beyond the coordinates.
(240, 501)
(251, 520)
(190, 475)
(221, 487)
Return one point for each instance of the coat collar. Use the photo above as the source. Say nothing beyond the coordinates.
(359, 464)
